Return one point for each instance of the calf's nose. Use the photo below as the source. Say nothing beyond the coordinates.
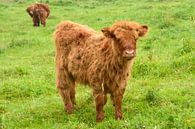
(129, 53)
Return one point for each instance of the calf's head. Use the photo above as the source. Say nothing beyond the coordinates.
(125, 35)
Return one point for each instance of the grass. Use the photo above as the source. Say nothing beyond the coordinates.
(159, 95)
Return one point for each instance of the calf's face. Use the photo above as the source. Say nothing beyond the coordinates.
(125, 42)
(125, 37)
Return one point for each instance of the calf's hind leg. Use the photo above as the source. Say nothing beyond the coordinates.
(43, 19)
(64, 83)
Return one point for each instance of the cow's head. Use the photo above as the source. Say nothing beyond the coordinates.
(125, 35)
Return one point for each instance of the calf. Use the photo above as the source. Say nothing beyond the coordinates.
(101, 60)
(39, 13)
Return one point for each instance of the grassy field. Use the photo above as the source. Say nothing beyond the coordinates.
(160, 94)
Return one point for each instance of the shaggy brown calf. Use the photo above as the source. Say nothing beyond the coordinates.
(39, 13)
(100, 60)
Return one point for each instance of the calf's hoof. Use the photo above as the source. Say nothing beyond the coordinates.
(118, 115)
(69, 108)
(99, 117)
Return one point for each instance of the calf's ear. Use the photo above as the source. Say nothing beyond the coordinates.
(143, 30)
(107, 32)
(31, 12)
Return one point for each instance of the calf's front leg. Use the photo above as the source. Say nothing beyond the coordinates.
(117, 97)
(100, 100)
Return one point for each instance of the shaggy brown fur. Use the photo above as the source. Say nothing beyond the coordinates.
(39, 13)
(100, 60)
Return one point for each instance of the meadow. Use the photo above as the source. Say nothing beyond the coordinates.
(160, 94)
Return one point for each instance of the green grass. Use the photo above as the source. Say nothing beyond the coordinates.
(160, 94)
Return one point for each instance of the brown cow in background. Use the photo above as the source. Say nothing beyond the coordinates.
(39, 13)
(100, 60)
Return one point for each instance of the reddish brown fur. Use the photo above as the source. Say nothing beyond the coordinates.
(39, 13)
(100, 60)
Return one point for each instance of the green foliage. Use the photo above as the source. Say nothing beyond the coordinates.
(160, 93)
(187, 47)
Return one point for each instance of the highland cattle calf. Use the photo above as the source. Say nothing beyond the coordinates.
(39, 13)
(101, 60)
